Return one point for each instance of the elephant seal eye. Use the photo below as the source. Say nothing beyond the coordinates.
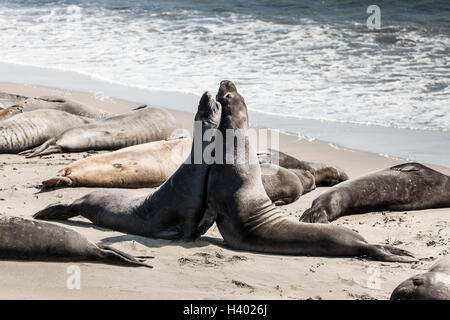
(229, 95)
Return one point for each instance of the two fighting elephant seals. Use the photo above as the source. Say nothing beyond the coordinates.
(174, 211)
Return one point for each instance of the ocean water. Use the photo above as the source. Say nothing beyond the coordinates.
(308, 67)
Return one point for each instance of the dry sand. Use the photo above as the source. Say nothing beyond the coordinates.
(205, 269)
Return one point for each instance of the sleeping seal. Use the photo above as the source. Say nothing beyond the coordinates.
(324, 175)
(284, 186)
(174, 211)
(23, 239)
(432, 285)
(142, 125)
(24, 104)
(146, 165)
(30, 129)
(245, 216)
(408, 186)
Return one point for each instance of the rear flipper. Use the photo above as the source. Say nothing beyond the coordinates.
(47, 147)
(119, 257)
(56, 212)
(388, 253)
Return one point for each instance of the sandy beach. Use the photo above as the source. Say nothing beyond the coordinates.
(206, 269)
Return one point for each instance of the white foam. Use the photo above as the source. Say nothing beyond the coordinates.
(308, 71)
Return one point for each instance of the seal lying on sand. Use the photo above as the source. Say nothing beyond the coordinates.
(146, 165)
(8, 99)
(151, 164)
(142, 125)
(408, 186)
(30, 129)
(432, 285)
(246, 217)
(284, 186)
(174, 211)
(24, 104)
(324, 175)
(22, 239)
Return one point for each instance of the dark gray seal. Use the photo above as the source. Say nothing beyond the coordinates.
(324, 175)
(408, 186)
(23, 239)
(432, 285)
(284, 186)
(174, 211)
(27, 130)
(247, 219)
(142, 125)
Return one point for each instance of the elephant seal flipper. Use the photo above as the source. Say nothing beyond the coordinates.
(245, 216)
(408, 186)
(23, 239)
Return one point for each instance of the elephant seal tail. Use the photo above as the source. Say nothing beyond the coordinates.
(388, 253)
(119, 257)
(56, 212)
(47, 147)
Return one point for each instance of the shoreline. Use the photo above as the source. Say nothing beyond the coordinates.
(205, 269)
(425, 146)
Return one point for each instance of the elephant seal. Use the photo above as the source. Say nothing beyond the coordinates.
(432, 285)
(8, 99)
(324, 175)
(408, 186)
(141, 125)
(27, 130)
(24, 104)
(174, 211)
(146, 165)
(285, 186)
(23, 239)
(245, 216)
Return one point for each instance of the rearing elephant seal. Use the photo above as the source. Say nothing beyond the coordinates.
(174, 211)
(142, 125)
(432, 285)
(30, 129)
(408, 186)
(247, 219)
(22, 239)
(324, 175)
